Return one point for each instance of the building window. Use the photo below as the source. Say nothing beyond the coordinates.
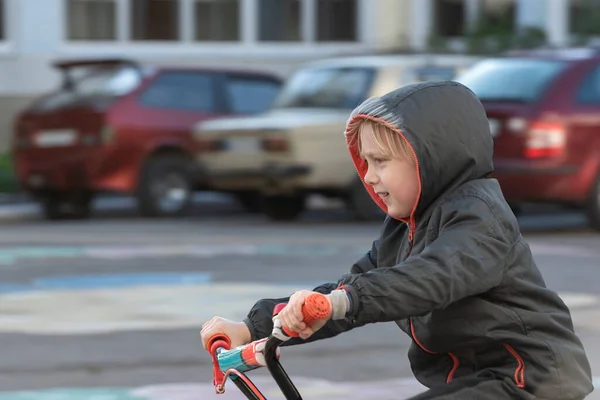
(336, 20)
(499, 14)
(449, 18)
(91, 19)
(279, 20)
(2, 25)
(217, 20)
(584, 16)
(154, 19)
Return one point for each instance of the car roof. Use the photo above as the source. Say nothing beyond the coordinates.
(573, 54)
(378, 61)
(228, 69)
(154, 68)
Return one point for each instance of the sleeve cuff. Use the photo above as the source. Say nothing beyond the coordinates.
(251, 328)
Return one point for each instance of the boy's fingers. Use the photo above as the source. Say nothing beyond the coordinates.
(297, 308)
(286, 321)
(207, 324)
(289, 321)
(306, 333)
(206, 327)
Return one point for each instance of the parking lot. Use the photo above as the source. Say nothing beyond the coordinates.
(112, 306)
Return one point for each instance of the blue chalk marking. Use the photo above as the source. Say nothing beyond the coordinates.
(82, 282)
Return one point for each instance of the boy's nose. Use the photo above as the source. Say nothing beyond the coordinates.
(370, 177)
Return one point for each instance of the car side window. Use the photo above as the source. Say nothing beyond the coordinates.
(589, 88)
(181, 90)
(250, 95)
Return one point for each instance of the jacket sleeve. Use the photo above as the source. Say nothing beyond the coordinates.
(259, 319)
(466, 258)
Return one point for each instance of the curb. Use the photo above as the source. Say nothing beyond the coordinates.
(14, 198)
(18, 212)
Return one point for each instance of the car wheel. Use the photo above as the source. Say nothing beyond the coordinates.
(165, 189)
(250, 201)
(63, 206)
(361, 204)
(593, 206)
(283, 208)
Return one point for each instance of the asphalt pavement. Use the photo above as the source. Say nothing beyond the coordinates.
(110, 308)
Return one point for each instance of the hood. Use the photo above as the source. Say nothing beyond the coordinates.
(280, 119)
(447, 128)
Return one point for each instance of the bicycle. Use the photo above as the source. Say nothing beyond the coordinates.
(234, 363)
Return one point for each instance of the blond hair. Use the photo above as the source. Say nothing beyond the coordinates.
(389, 141)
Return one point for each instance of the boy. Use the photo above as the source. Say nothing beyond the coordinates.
(450, 266)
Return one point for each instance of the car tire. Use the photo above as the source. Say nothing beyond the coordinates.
(165, 188)
(283, 208)
(59, 206)
(593, 206)
(361, 205)
(250, 201)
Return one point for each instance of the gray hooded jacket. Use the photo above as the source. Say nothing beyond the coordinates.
(457, 276)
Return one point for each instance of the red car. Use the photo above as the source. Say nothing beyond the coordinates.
(544, 113)
(119, 126)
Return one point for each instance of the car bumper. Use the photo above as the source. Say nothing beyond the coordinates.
(90, 169)
(270, 176)
(542, 181)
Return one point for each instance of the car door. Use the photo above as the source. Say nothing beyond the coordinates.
(168, 106)
(583, 121)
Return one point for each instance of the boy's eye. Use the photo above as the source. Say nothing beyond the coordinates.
(378, 160)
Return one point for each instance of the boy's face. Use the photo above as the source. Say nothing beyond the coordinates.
(393, 179)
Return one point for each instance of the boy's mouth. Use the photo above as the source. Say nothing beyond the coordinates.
(383, 195)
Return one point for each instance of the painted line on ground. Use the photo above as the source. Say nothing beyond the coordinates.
(13, 255)
(81, 282)
(125, 302)
(310, 388)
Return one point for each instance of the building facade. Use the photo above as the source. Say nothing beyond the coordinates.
(272, 34)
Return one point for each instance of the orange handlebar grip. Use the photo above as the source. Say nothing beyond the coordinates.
(316, 307)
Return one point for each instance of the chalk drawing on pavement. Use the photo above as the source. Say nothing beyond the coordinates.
(316, 389)
(13, 255)
(310, 388)
(88, 304)
(94, 281)
(125, 302)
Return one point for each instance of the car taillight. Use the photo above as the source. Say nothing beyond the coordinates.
(545, 140)
(275, 144)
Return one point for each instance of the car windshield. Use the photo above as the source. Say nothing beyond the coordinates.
(343, 88)
(520, 80)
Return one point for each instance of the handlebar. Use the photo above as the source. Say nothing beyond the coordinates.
(260, 353)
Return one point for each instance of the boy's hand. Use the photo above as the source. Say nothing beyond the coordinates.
(238, 332)
(291, 316)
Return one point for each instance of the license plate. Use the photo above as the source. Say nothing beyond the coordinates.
(494, 127)
(243, 145)
(56, 138)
